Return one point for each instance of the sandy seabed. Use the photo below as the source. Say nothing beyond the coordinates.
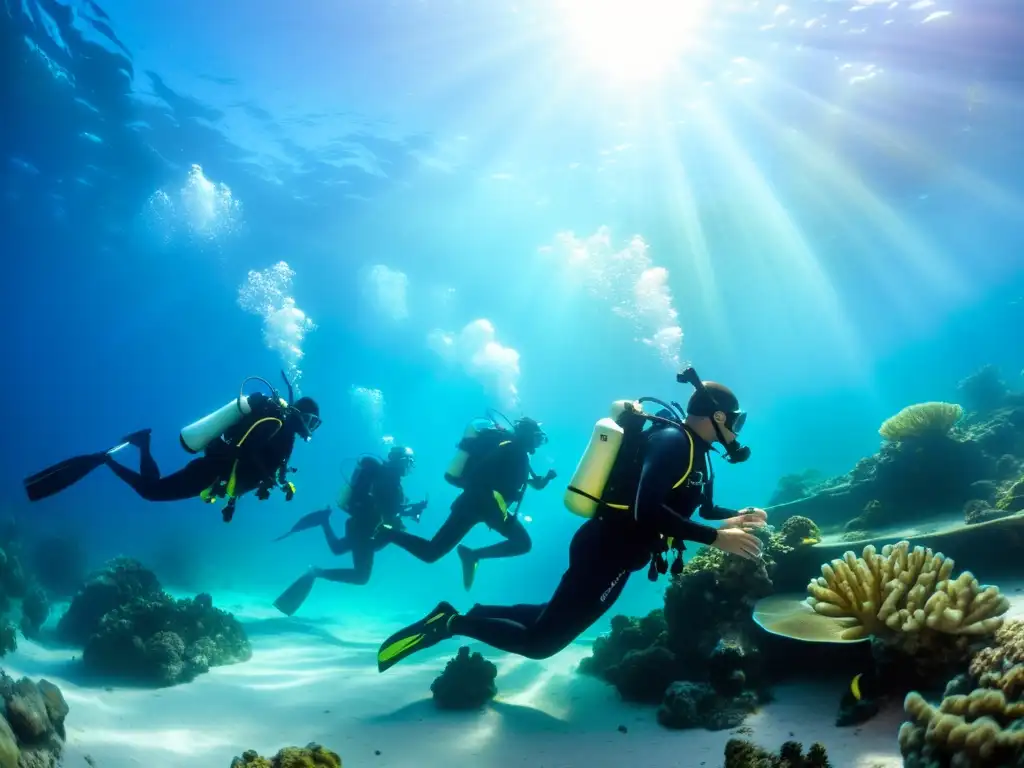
(313, 680)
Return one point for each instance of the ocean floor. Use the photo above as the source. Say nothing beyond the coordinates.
(317, 681)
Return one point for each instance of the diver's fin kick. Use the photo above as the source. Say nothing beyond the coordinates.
(427, 632)
(292, 598)
(304, 523)
(55, 479)
(469, 563)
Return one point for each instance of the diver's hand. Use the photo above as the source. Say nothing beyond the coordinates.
(748, 519)
(736, 541)
(551, 475)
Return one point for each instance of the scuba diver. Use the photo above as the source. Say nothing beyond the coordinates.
(492, 467)
(639, 482)
(372, 497)
(246, 447)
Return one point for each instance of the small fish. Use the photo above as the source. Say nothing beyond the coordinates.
(810, 541)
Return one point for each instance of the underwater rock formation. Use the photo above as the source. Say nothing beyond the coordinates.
(740, 753)
(936, 458)
(35, 609)
(795, 486)
(22, 602)
(310, 756)
(121, 580)
(699, 656)
(163, 641)
(467, 682)
(31, 723)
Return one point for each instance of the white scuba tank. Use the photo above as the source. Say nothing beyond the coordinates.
(583, 495)
(199, 434)
(344, 497)
(457, 465)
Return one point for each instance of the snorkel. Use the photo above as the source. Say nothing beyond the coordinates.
(735, 452)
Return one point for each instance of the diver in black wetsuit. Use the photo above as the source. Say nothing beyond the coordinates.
(491, 487)
(664, 477)
(374, 497)
(251, 454)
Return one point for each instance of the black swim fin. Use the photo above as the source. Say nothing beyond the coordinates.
(292, 598)
(312, 520)
(469, 564)
(55, 479)
(427, 632)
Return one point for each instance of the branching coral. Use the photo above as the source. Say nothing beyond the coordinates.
(921, 420)
(965, 730)
(907, 596)
(1002, 666)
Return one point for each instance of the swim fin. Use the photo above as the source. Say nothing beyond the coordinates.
(292, 598)
(312, 520)
(469, 564)
(427, 632)
(55, 479)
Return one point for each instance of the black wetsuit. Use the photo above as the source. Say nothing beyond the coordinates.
(262, 458)
(496, 483)
(674, 482)
(377, 497)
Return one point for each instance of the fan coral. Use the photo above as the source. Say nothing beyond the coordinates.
(906, 596)
(923, 419)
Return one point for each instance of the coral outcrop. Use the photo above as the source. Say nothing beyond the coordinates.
(740, 753)
(23, 604)
(162, 641)
(934, 460)
(31, 723)
(799, 531)
(922, 420)
(795, 486)
(908, 598)
(310, 756)
(699, 656)
(122, 580)
(467, 682)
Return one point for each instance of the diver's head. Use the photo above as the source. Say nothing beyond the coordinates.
(714, 413)
(304, 417)
(401, 459)
(529, 434)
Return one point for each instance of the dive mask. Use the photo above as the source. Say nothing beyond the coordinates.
(735, 452)
(310, 423)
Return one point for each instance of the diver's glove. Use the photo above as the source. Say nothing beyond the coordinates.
(263, 492)
(289, 490)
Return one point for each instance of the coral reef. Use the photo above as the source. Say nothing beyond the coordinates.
(745, 754)
(699, 705)
(980, 511)
(907, 598)
(121, 580)
(22, 602)
(799, 531)
(980, 720)
(1012, 498)
(921, 421)
(310, 756)
(31, 723)
(699, 656)
(935, 459)
(163, 641)
(467, 682)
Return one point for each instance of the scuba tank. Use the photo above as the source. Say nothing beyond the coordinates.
(199, 434)
(583, 496)
(468, 447)
(364, 464)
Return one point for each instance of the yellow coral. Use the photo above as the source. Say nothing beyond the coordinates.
(921, 419)
(965, 729)
(1002, 666)
(904, 593)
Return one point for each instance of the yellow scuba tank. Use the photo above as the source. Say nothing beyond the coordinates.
(457, 466)
(197, 435)
(583, 496)
(344, 497)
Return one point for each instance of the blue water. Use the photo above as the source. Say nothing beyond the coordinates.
(833, 189)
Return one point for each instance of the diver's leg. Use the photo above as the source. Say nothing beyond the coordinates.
(362, 564)
(188, 482)
(452, 531)
(523, 613)
(517, 542)
(338, 545)
(147, 464)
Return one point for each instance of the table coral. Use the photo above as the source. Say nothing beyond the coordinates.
(921, 420)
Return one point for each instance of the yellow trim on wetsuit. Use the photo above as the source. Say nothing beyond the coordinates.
(501, 505)
(229, 489)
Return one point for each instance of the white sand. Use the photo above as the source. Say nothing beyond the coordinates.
(314, 681)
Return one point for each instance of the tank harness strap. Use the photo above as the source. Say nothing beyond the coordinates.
(221, 488)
